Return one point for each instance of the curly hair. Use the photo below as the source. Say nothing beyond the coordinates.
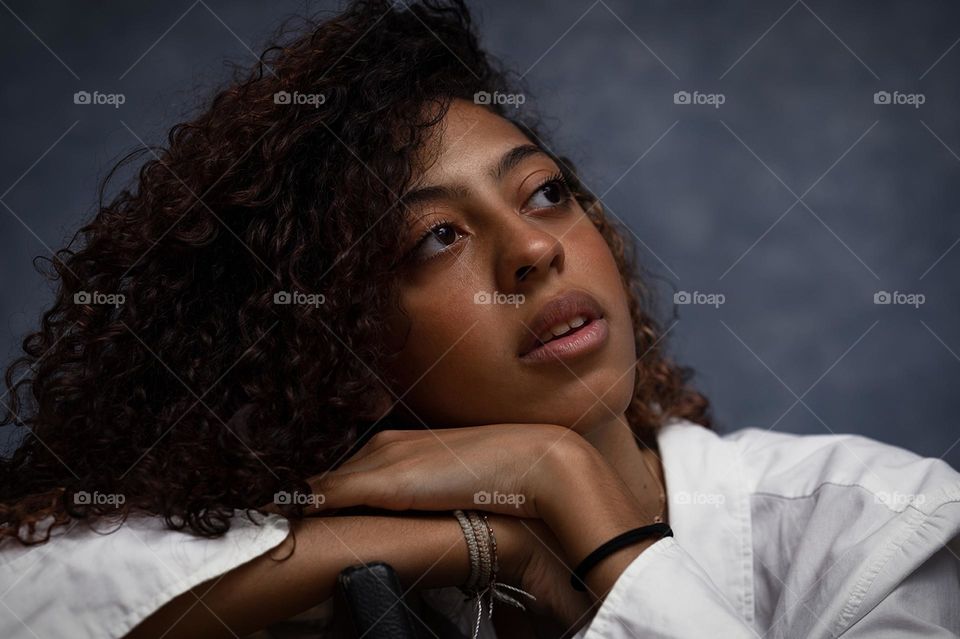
(166, 371)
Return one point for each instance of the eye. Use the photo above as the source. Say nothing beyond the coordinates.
(553, 191)
(436, 240)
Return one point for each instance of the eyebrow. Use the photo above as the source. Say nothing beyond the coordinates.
(507, 162)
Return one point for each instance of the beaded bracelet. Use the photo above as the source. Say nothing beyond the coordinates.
(484, 566)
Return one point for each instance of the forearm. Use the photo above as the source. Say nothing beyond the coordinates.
(425, 550)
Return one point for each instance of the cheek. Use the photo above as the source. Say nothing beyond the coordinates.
(445, 334)
(590, 260)
(457, 366)
(589, 255)
(592, 251)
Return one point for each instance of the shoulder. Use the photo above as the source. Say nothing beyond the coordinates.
(796, 466)
(102, 581)
(842, 519)
(848, 516)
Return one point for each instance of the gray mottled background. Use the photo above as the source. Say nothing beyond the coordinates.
(797, 199)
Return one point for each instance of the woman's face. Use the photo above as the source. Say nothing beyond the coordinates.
(506, 239)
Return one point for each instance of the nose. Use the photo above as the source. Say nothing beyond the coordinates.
(528, 254)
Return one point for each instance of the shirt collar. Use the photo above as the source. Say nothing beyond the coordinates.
(709, 507)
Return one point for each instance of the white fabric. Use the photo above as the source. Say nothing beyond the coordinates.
(776, 535)
(779, 535)
(89, 584)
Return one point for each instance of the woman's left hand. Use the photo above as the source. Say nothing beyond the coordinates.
(501, 468)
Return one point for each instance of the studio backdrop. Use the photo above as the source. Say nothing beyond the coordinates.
(790, 173)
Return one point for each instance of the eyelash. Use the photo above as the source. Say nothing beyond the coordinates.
(557, 178)
(561, 180)
(425, 235)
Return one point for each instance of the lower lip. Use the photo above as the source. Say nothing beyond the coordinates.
(588, 339)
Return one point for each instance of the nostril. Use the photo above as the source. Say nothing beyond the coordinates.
(523, 271)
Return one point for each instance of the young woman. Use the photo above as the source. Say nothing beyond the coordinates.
(357, 305)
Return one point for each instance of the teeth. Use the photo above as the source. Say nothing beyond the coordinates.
(562, 328)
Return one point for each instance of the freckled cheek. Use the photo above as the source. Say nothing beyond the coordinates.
(591, 259)
(587, 251)
(439, 337)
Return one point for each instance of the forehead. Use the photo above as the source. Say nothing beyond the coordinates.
(466, 141)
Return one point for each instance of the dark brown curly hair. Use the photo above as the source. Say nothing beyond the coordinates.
(191, 392)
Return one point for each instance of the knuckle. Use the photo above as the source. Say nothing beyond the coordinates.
(551, 434)
(378, 439)
(395, 452)
(571, 450)
(326, 481)
(384, 437)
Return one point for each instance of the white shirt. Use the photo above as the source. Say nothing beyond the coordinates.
(775, 535)
(780, 535)
(83, 584)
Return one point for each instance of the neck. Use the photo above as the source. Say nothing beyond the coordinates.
(632, 460)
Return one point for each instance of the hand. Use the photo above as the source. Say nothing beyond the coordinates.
(497, 468)
(532, 558)
(535, 471)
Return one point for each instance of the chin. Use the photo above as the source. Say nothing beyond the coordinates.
(595, 402)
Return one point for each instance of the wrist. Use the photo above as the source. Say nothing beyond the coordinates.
(513, 548)
(585, 502)
(601, 578)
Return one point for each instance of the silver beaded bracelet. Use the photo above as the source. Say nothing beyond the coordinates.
(484, 566)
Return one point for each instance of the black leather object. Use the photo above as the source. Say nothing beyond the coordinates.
(374, 598)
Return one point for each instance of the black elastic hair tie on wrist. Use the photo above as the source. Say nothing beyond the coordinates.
(624, 539)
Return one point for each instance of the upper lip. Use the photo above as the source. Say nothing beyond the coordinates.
(562, 308)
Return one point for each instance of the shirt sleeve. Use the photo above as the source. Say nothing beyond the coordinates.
(664, 592)
(101, 583)
(925, 604)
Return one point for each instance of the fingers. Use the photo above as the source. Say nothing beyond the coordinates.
(370, 459)
(384, 448)
(376, 443)
(342, 489)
